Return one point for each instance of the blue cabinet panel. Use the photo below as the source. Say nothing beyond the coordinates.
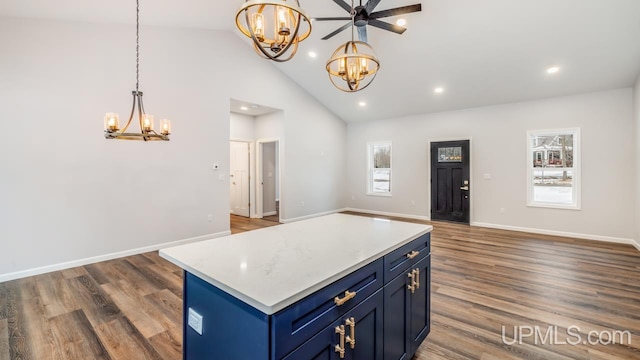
(228, 325)
(397, 312)
(297, 323)
(396, 262)
(368, 331)
(421, 305)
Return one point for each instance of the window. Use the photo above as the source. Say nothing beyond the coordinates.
(379, 168)
(553, 176)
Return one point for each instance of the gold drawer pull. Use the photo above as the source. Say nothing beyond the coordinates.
(351, 339)
(340, 347)
(413, 254)
(348, 295)
(417, 278)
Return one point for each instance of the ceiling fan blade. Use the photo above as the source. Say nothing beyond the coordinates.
(370, 5)
(397, 11)
(362, 33)
(343, 5)
(345, 26)
(386, 26)
(345, 18)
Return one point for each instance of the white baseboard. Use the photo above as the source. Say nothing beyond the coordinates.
(636, 243)
(558, 233)
(95, 259)
(269, 213)
(374, 212)
(285, 221)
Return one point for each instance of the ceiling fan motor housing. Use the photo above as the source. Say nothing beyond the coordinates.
(361, 17)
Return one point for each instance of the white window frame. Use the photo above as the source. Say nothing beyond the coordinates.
(575, 186)
(370, 168)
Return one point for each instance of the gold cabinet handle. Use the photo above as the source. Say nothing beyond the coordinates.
(413, 254)
(412, 286)
(351, 339)
(348, 295)
(340, 347)
(417, 277)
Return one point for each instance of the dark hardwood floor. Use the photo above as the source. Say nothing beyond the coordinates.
(482, 280)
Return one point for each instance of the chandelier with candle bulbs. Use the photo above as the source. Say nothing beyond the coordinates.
(112, 122)
(354, 64)
(275, 26)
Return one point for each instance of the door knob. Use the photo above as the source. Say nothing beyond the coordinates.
(464, 188)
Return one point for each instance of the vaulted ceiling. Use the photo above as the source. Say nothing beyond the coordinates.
(481, 52)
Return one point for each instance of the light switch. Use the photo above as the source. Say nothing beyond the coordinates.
(195, 321)
(487, 176)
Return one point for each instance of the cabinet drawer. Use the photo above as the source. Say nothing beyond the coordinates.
(396, 262)
(299, 322)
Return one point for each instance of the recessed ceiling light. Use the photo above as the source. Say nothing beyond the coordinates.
(553, 70)
(362, 103)
(254, 106)
(401, 22)
(244, 108)
(438, 90)
(313, 54)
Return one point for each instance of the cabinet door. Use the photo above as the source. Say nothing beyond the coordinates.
(421, 305)
(397, 313)
(367, 333)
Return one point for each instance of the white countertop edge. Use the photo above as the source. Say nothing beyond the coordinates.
(272, 309)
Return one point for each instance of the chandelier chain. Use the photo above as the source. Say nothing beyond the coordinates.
(137, 43)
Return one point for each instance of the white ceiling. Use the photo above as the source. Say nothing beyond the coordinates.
(483, 52)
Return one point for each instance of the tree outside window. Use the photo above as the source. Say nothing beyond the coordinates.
(379, 165)
(553, 171)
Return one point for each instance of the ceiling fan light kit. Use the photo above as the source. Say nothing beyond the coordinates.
(275, 26)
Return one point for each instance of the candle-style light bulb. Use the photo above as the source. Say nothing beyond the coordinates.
(258, 26)
(165, 127)
(281, 16)
(147, 123)
(111, 122)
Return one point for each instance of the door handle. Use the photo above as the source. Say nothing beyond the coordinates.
(351, 338)
(466, 188)
(340, 347)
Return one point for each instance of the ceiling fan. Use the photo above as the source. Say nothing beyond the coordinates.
(364, 15)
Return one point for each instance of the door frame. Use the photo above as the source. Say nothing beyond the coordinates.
(251, 174)
(259, 166)
(471, 177)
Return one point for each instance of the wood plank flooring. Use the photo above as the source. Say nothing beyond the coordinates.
(482, 280)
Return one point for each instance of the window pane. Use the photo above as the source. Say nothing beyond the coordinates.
(553, 186)
(552, 150)
(450, 154)
(382, 180)
(382, 156)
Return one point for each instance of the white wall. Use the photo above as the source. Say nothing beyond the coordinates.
(637, 163)
(498, 147)
(243, 127)
(67, 194)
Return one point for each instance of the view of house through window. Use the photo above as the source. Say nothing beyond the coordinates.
(379, 157)
(553, 168)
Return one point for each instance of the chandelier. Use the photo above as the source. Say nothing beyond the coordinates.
(353, 65)
(274, 26)
(111, 120)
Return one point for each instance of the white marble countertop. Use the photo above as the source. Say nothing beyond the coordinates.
(272, 268)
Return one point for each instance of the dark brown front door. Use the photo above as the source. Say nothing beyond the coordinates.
(450, 181)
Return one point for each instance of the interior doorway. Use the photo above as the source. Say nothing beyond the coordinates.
(240, 190)
(450, 187)
(268, 184)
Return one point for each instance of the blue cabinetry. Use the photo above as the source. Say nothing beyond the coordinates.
(378, 312)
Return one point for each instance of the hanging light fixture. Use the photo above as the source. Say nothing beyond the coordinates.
(274, 26)
(111, 121)
(354, 64)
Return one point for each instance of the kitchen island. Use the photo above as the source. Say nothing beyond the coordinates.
(335, 287)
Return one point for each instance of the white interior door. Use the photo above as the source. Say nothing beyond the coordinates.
(239, 181)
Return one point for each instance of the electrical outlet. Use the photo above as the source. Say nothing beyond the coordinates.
(501, 211)
(413, 203)
(353, 197)
(210, 217)
(302, 203)
(195, 321)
